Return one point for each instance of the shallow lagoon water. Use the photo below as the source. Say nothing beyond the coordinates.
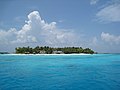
(60, 72)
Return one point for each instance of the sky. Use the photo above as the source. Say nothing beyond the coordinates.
(60, 23)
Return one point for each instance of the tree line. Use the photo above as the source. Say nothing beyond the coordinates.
(51, 50)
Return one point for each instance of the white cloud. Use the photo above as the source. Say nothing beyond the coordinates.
(110, 13)
(7, 36)
(112, 39)
(93, 2)
(37, 30)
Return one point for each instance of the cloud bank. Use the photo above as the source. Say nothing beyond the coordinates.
(36, 30)
(110, 13)
(112, 39)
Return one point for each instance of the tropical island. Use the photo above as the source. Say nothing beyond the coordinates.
(51, 50)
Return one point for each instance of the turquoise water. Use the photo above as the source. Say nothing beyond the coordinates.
(35, 72)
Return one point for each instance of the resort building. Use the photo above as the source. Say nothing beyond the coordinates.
(58, 52)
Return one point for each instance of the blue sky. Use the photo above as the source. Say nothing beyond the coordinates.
(58, 23)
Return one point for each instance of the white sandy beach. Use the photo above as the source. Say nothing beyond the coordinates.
(51, 54)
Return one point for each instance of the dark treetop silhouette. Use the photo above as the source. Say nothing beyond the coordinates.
(51, 50)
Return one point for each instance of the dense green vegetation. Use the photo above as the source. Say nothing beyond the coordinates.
(51, 50)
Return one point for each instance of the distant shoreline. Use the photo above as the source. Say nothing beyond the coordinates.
(57, 54)
(50, 54)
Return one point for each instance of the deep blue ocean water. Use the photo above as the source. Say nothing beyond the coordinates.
(75, 72)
